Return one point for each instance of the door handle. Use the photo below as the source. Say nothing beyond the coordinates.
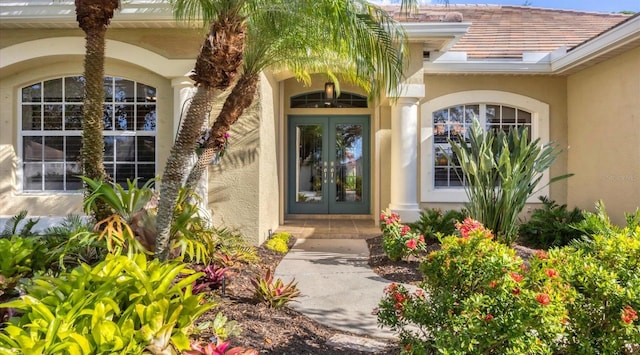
(332, 173)
(325, 175)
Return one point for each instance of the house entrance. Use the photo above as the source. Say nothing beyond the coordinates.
(328, 169)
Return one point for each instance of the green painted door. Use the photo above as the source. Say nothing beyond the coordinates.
(328, 169)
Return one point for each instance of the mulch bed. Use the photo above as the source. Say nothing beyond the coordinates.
(273, 331)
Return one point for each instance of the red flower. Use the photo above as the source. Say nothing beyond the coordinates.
(542, 255)
(516, 291)
(543, 299)
(419, 293)
(391, 288)
(399, 297)
(389, 221)
(488, 317)
(516, 277)
(383, 216)
(421, 238)
(493, 284)
(628, 314)
(411, 244)
(405, 230)
(551, 273)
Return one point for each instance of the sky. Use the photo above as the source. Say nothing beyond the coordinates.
(584, 5)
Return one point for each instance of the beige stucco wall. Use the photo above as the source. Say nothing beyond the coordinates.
(604, 135)
(42, 204)
(243, 187)
(169, 42)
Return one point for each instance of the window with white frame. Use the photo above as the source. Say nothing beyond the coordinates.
(450, 118)
(51, 132)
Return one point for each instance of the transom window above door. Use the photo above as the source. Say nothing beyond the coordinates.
(318, 99)
(51, 132)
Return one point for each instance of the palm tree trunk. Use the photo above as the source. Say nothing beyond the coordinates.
(93, 17)
(238, 100)
(216, 67)
(174, 171)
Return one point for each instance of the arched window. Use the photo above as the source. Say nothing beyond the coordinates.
(451, 116)
(317, 99)
(51, 132)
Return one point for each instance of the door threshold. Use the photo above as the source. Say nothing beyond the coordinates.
(327, 216)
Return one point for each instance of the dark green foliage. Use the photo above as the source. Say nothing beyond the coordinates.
(551, 225)
(11, 227)
(434, 221)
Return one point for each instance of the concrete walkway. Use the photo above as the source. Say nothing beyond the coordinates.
(338, 287)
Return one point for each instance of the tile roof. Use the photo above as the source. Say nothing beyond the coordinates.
(505, 32)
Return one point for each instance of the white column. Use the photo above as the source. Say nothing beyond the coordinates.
(183, 90)
(404, 153)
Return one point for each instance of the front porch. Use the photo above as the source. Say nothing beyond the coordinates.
(330, 226)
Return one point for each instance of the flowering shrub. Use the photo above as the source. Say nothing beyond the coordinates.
(605, 271)
(479, 297)
(398, 240)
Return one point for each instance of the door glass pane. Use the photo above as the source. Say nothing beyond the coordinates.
(349, 165)
(309, 166)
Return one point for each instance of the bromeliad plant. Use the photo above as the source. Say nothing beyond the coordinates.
(274, 292)
(212, 279)
(502, 170)
(398, 240)
(123, 305)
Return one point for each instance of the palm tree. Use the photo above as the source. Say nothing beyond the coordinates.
(93, 17)
(348, 39)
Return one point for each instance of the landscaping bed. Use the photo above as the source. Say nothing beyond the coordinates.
(269, 330)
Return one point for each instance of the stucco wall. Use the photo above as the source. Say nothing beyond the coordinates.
(234, 183)
(169, 42)
(604, 135)
(243, 187)
(550, 90)
(44, 204)
(268, 176)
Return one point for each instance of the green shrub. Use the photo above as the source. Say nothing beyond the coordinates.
(11, 226)
(478, 297)
(434, 222)
(232, 245)
(122, 305)
(277, 244)
(502, 171)
(481, 298)
(604, 269)
(398, 240)
(551, 225)
(21, 257)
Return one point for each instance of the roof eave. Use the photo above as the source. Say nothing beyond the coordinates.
(618, 37)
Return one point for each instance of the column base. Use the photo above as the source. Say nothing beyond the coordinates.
(408, 212)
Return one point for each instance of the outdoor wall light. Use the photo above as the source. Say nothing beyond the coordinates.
(329, 93)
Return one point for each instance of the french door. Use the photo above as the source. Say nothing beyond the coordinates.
(328, 165)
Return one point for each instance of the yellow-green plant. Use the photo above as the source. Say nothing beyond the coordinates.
(123, 305)
(502, 170)
(277, 245)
